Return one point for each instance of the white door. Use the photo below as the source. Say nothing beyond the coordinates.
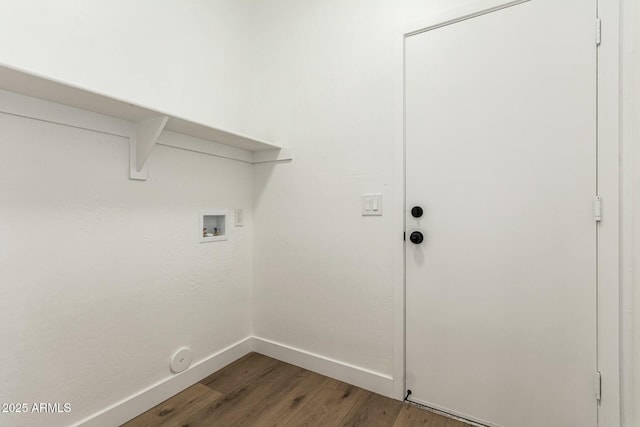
(501, 157)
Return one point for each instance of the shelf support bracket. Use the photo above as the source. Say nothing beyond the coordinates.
(144, 138)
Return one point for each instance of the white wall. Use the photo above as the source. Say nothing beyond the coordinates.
(325, 87)
(315, 75)
(323, 274)
(103, 278)
(635, 144)
(185, 58)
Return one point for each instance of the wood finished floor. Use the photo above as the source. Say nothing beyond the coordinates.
(259, 391)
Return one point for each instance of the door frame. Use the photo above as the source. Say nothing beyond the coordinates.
(609, 182)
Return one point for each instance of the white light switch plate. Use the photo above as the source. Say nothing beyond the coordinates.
(238, 215)
(371, 204)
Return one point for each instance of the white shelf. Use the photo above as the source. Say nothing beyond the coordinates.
(149, 122)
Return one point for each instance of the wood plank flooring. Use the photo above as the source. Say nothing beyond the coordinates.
(260, 391)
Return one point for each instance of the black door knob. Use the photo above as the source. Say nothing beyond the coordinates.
(416, 211)
(416, 237)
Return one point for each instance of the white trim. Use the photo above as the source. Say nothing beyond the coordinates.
(449, 413)
(358, 376)
(142, 401)
(134, 405)
(609, 187)
(609, 116)
(627, 222)
(398, 209)
(457, 14)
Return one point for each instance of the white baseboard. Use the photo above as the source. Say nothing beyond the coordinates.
(134, 405)
(364, 378)
(144, 400)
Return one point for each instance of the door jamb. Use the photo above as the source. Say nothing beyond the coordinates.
(609, 182)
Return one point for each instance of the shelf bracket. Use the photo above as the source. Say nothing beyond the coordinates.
(144, 138)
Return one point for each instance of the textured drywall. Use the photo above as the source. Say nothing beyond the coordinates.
(315, 75)
(103, 278)
(324, 84)
(185, 57)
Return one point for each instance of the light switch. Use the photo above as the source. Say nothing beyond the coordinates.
(371, 204)
(239, 220)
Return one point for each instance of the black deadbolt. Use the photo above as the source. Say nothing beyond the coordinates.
(416, 237)
(416, 211)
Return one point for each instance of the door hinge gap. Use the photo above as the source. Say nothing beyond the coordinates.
(598, 31)
(597, 208)
(598, 385)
